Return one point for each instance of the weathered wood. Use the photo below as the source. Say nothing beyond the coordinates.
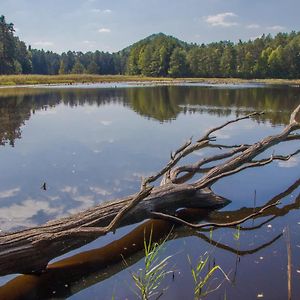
(30, 250)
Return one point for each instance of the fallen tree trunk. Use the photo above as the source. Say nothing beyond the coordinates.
(90, 267)
(29, 251)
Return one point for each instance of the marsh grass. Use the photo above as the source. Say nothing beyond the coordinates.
(148, 279)
(11, 80)
(202, 278)
(14, 80)
(237, 234)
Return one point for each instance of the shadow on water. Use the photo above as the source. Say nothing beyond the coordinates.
(76, 273)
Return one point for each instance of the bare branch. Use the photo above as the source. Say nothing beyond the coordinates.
(193, 168)
(209, 132)
(199, 226)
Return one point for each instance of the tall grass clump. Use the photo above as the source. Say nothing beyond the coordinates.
(148, 279)
(203, 278)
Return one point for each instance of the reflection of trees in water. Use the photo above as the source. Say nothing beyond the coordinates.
(158, 103)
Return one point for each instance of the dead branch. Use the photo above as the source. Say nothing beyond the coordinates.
(199, 226)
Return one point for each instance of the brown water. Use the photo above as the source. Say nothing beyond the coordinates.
(93, 143)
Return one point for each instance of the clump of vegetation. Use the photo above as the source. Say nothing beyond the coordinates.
(237, 234)
(202, 279)
(149, 279)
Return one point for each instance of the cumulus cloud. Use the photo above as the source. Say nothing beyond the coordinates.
(253, 26)
(104, 30)
(98, 11)
(105, 123)
(89, 43)
(291, 163)
(21, 214)
(99, 191)
(276, 28)
(222, 19)
(9, 193)
(69, 189)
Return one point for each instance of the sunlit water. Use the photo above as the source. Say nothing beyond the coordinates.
(94, 143)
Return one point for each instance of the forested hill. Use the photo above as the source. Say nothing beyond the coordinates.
(160, 55)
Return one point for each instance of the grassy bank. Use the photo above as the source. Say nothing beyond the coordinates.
(14, 80)
(11, 80)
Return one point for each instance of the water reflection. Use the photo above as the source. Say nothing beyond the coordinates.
(159, 103)
(74, 274)
(90, 145)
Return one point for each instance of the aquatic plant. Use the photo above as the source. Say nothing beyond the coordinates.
(201, 278)
(148, 279)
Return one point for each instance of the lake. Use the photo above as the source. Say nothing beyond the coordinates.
(94, 143)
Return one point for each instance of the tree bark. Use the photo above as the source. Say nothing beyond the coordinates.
(29, 251)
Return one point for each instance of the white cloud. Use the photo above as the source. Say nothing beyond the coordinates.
(291, 163)
(89, 42)
(221, 19)
(276, 28)
(105, 123)
(43, 44)
(255, 37)
(98, 11)
(21, 214)
(69, 189)
(104, 30)
(253, 26)
(99, 191)
(9, 193)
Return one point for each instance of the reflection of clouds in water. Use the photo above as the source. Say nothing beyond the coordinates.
(198, 153)
(21, 214)
(9, 193)
(99, 191)
(221, 135)
(53, 198)
(69, 189)
(97, 151)
(105, 123)
(140, 175)
(291, 163)
(85, 202)
(47, 112)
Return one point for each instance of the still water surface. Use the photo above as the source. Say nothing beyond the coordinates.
(93, 143)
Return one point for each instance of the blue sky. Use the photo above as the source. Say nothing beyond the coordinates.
(84, 25)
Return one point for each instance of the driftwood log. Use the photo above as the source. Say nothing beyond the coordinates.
(80, 271)
(29, 251)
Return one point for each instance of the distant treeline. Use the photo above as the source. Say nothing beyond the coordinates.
(160, 55)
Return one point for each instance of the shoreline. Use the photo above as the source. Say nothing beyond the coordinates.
(16, 81)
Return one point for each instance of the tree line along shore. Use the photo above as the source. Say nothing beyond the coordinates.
(159, 55)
